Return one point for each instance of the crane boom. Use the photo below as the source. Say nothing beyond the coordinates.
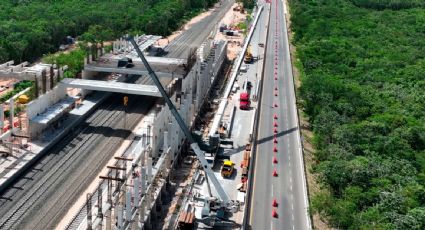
(222, 194)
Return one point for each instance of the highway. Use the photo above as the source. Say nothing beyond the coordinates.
(278, 111)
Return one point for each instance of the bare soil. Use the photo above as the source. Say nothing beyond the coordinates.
(231, 19)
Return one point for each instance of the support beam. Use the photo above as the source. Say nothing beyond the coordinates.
(117, 87)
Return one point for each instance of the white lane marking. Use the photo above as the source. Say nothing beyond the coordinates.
(272, 190)
(302, 166)
(292, 217)
(290, 187)
(292, 206)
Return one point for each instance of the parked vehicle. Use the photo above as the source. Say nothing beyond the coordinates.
(244, 102)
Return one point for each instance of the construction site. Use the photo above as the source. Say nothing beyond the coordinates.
(153, 135)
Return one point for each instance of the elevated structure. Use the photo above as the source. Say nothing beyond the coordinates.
(99, 61)
(116, 87)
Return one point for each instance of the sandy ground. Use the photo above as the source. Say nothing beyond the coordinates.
(6, 86)
(307, 135)
(232, 18)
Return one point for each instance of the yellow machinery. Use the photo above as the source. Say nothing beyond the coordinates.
(227, 168)
(248, 55)
(23, 99)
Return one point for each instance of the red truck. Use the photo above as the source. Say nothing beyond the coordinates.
(244, 102)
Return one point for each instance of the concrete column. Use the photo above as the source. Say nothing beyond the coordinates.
(108, 216)
(11, 112)
(148, 199)
(165, 147)
(149, 165)
(142, 212)
(128, 206)
(136, 192)
(143, 180)
(120, 216)
(51, 77)
(1, 118)
(44, 81)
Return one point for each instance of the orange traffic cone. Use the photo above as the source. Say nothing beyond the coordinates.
(274, 203)
(275, 149)
(275, 140)
(275, 94)
(275, 116)
(275, 173)
(275, 88)
(275, 105)
(275, 78)
(274, 213)
(275, 130)
(274, 160)
(275, 124)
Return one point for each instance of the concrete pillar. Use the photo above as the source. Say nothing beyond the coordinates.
(120, 216)
(128, 206)
(51, 77)
(108, 219)
(11, 112)
(136, 191)
(1, 118)
(165, 147)
(143, 180)
(142, 211)
(43, 81)
(149, 165)
(148, 199)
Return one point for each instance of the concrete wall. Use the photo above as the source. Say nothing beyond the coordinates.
(44, 101)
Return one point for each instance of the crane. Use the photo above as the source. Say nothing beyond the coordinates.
(199, 153)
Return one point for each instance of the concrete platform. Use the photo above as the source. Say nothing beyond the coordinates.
(11, 167)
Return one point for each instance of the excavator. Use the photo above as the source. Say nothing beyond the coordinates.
(223, 201)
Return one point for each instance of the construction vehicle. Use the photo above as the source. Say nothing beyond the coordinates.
(244, 102)
(227, 168)
(248, 55)
(224, 201)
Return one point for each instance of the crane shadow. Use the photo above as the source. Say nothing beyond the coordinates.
(280, 134)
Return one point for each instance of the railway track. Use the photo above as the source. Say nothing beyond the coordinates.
(42, 196)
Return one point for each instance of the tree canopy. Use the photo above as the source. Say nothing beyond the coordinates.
(30, 29)
(363, 79)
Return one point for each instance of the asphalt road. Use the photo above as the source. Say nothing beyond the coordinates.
(197, 33)
(288, 187)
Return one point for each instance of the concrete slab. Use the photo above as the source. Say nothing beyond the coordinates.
(116, 87)
(54, 111)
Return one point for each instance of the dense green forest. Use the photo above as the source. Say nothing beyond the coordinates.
(30, 29)
(362, 68)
